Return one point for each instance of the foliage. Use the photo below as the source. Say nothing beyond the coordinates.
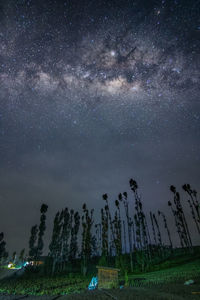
(55, 245)
(32, 242)
(122, 239)
(3, 252)
(36, 243)
(183, 272)
(42, 228)
(171, 270)
(37, 285)
(86, 251)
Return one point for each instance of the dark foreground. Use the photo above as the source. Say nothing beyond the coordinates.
(167, 284)
(175, 291)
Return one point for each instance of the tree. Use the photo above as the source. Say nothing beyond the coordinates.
(124, 231)
(74, 236)
(104, 235)
(142, 232)
(87, 222)
(166, 227)
(194, 205)
(56, 241)
(14, 257)
(107, 209)
(2, 247)
(65, 235)
(98, 233)
(181, 222)
(141, 218)
(159, 237)
(42, 228)
(118, 230)
(153, 228)
(124, 198)
(32, 242)
(21, 255)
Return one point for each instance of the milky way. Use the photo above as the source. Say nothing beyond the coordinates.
(92, 94)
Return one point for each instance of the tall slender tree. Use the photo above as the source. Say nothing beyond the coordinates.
(65, 236)
(21, 255)
(42, 228)
(32, 242)
(104, 234)
(74, 236)
(98, 233)
(153, 228)
(183, 226)
(118, 229)
(194, 205)
(107, 208)
(2, 247)
(141, 218)
(124, 198)
(124, 232)
(160, 213)
(178, 226)
(87, 222)
(159, 236)
(55, 246)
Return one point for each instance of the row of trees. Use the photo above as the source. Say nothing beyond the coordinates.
(64, 242)
(125, 233)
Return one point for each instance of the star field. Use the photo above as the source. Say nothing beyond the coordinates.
(93, 93)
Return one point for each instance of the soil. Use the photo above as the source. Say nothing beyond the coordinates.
(177, 291)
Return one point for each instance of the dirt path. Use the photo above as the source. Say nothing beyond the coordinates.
(125, 294)
(176, 291)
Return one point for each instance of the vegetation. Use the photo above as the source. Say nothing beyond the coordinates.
(166, 274)
(40, 285)
(37, 234)
(3, 252)
(180, 268)
(126, 238)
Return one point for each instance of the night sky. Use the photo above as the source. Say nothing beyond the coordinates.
(93, 93)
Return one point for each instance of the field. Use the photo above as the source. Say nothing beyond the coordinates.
(162, 284)
(38, 285)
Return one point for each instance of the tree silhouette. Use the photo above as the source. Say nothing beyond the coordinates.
(42, 228)
(153, 228)
(181, 220)
(166, 227)
(65, 235)
(124, 198)
(74, 237)
(56, 242)
(194, 205)
(3, 252)
(87, 222)
(104, 238)
(21, 255)
(32, 242)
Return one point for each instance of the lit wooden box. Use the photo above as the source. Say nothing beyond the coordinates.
(107, 277)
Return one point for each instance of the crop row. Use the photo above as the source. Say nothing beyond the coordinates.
(43, 286)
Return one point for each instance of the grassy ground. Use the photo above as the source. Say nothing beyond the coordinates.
(162, 284)
(40, 285)
(190, 270)
(172, 291)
